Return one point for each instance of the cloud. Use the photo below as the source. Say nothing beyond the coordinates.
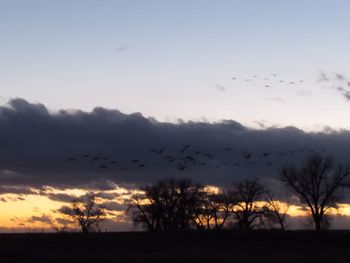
(338, 82)
(123, 48)
(220, 87)
(18, 189)
(40, 219)
(64, 221)
(66, 198)
(276, 99)
(114, 206)
(107, 196)
(303, 93)
(101, 149)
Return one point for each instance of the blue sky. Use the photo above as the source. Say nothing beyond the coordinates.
(167, 58)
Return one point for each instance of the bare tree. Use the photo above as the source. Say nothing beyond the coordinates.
(167, 205)
(217, 208)
(275, 211)
(86, 212)
(247, 213)
(318, 184)
(207, 211)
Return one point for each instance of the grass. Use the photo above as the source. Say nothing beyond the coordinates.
(257, 246)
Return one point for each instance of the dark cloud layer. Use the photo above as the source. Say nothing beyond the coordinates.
(102, 148)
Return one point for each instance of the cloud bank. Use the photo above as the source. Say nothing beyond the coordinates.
(104, 147)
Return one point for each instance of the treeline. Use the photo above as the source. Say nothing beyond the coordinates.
(246, 205)
(179, 204)
(182, 205)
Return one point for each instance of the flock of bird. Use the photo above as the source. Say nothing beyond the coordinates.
(267, 81)
(187, 157)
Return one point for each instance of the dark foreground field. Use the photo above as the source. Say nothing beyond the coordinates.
(301, 246)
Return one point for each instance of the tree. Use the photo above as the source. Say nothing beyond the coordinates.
(167, 205)
(216, 209)
(86, 212)
(318, 184)
(246, 193)
(275, 211)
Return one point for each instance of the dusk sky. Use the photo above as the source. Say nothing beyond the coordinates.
(116, 79)
(176, 59)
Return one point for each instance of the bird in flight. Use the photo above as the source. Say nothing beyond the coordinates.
(140, 166)
(181, 167)
(160, 151)
(184, 148)
(208, 155)
(247, 155)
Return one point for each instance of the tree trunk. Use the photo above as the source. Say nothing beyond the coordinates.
(317, 222)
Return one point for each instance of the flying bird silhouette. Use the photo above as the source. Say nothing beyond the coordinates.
(181, 167)
(141, 166)
(247, 155)
(185, 148)
(208, 155)
(160, 151)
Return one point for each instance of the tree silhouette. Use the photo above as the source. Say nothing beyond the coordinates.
(247, 213)
(167, 205)
(318, 184)
(275, 211)
(86, 212)
(216, 209)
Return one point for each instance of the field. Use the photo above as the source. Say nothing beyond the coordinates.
(261, 246)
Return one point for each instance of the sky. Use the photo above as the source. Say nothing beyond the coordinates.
(114, 80)
(176, 59)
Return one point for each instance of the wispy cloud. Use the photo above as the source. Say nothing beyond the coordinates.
(123, 47)
(220, 87)
(338, 82)
(276, 99)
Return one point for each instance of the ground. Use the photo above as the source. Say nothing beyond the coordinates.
(256, 246)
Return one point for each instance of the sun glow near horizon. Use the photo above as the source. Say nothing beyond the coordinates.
(26, 213)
